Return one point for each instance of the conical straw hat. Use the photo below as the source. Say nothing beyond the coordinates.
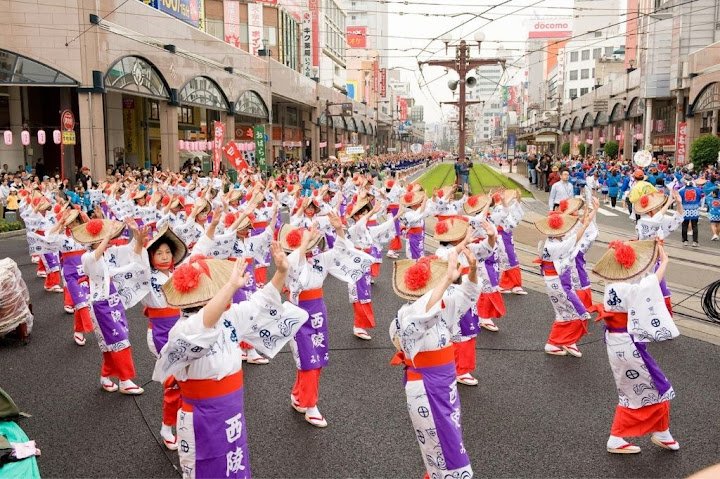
(167, 233)
(556, 224)
(412, 198)
(625, 260)
(650, 202)
(96, 231)
(571, 205)
(412, 279)
(196, 282)
(289, 240)
(449, 230)
(475, 204)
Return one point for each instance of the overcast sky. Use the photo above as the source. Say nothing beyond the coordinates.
(415, 31)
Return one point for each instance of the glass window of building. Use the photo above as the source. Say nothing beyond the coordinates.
(585, 55)
(573, 74)
(573, 56)
(215, 28)
(609, 51)
(597, 53)
(573, 93)
(584, 73)
(583, 91)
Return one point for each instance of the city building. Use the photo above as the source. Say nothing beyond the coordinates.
(140, 82)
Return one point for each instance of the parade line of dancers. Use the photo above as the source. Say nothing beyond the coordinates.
(196, 255)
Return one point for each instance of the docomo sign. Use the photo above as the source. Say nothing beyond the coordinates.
(550, 28)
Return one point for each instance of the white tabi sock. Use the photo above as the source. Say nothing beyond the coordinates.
(615, 442)
(664, 436)
(127, 384)
(166, 432)
(313, 412)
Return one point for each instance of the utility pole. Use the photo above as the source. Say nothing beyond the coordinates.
(462, 64)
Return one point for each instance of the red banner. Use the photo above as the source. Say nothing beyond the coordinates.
(314, 7)
(681, 147)
(376, 77)
(403, 107)
(356, 37)
(219, 136)
(383, 83)
(234, 156)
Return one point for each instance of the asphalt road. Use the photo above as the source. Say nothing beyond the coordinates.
(532, 415)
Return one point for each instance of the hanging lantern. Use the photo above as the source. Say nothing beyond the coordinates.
(57, 137)
(180, 145)
(7, 136)
(25, 137)
(251, 146)
(41, 137)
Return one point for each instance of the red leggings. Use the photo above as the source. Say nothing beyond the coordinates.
(307, 387)
(171, 401)
(118, 365)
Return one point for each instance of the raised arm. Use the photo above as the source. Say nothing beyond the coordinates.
(219, 303)
(452, 275)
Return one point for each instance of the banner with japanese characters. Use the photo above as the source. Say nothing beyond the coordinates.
(260, 159)
(255, 27)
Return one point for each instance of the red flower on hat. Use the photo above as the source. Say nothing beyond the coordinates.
(644, 201)
(23, 193)
(409, 187)
(441, 227)
(497, 198)
(624, 254)
(165, 200)
(56, 209)
(248, 197)
(440, 193)
(294, 238)
(418, 275)
(390, 183)
(187, 277)
(229, 219)
(408, 197)
(473, 201)
(36, 201)
(556, 222)
(94, 227)
(563, 206)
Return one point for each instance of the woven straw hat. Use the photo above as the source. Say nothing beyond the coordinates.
(626, 260)
(650, 202)
(556, 224)
(167, 234)
(445, 192)
(97, 230)
(449, 230)
(69, 216)
(203, 205)
(234, 195)
(139, 194)
(207, 279)
(571, 205)
(412, 198)
(178, 202)
(290, 247)
(230, 218)
(359, 204)
(475, 204)
(425, 274)
(389, 183)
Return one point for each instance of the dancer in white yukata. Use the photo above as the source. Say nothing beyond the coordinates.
(308, 269)
(506, 215)
(202, 355)
(557, 253)
(413, 221)
(655, 222)
(635, 314)
(421, 333)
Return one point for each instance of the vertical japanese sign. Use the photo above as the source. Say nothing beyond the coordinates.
(218, 139)
(231, 10)
(403, 107)
(259, 136)
(314, 7)
(255, 27)
(681, 147)
(356, 36)
(307, 49)
(383, 83)
(376, 77)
